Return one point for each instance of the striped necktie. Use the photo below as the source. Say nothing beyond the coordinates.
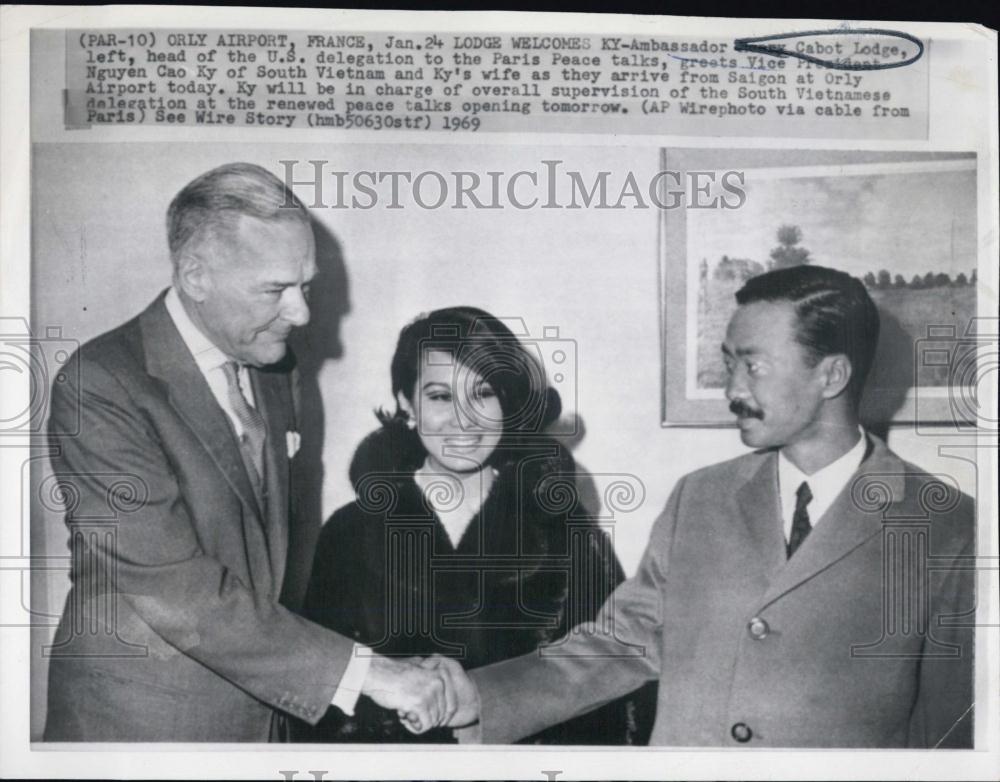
(254, 429)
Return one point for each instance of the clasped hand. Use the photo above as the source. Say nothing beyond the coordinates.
(426, 693)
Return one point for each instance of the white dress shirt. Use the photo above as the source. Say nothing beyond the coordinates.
(825, 484)
(210, 360)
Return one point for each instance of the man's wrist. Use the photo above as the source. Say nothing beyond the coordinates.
(351, 684)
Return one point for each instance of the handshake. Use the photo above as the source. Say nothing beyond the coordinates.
(426, 693)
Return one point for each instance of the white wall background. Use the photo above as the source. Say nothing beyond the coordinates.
(100, 256)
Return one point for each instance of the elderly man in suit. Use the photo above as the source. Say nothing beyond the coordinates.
(814, 593)
(173, 629)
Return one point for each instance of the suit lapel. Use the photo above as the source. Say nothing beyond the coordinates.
(270, 392)
(169, 360)
(854, 517)
(760, 509)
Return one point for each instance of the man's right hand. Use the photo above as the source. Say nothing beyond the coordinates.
(421, 695)
(461, 688)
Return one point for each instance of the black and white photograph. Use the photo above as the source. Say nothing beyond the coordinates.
(386, 397)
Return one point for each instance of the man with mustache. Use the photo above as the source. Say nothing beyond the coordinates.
(817, 592)
(174, 629)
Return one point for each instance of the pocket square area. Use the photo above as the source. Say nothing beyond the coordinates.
(294, 440)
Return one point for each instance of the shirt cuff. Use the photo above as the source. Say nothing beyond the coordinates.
(349, 689)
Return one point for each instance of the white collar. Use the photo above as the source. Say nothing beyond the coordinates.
(206, 354)
(824, 484)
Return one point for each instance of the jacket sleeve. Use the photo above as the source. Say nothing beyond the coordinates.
(942, 717)
(155, 561)
(339, 588)
(594, 663)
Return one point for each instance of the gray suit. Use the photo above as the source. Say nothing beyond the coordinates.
(863, 639)
(173, 630)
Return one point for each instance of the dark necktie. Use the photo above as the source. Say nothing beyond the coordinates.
(254, 429)
(800, 520)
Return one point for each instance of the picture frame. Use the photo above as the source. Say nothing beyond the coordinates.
(882, 216)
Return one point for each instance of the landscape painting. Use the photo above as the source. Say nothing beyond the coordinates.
(905, 227)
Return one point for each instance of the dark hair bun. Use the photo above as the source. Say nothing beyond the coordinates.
(552, 408)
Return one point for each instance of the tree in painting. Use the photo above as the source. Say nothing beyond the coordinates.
(788, 252)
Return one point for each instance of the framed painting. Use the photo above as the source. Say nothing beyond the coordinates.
(902, 222)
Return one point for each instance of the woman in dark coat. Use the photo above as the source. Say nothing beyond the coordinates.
(466, 538)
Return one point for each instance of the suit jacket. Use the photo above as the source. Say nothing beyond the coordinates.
(173, 629)
(862, 639)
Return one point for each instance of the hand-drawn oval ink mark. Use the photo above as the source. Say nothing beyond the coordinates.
(757, 46)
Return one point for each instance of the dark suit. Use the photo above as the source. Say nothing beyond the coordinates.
(173, 630)
(862, 639)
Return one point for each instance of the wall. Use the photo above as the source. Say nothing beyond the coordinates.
(99, 256)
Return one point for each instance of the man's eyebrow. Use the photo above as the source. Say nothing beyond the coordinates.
(434, 384)
(739, 352)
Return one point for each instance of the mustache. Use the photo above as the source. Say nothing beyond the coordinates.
(743, 410)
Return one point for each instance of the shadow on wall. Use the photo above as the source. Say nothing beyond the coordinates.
(329, 302)
(892, 376)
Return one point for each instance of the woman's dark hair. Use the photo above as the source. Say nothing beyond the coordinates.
(483, 346)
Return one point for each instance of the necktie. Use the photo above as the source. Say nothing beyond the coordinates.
(254, 429)
(800, 520)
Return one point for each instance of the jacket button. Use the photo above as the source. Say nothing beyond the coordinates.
(741, 732)
(758, 628)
